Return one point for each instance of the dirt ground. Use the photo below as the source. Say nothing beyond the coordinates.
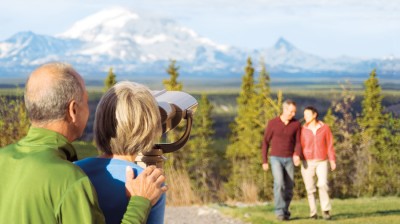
(196, 215)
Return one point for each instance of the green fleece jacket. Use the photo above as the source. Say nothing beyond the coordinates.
(39, 184)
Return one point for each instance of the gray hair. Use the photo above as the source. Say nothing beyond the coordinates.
(127, 120)
(49, 101)
(288, 102)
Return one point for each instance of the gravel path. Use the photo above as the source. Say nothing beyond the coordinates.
(196, 215)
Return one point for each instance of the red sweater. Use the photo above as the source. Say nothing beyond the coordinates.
(284, 139)
(318, 146)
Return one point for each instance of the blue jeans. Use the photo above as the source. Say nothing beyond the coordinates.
(283, 172)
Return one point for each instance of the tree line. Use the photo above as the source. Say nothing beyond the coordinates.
(367, 144)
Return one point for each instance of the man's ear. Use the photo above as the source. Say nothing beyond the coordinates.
(72, 111)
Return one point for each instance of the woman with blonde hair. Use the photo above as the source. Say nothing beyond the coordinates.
(127, 122)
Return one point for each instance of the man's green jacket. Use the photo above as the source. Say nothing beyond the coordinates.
(39, 184)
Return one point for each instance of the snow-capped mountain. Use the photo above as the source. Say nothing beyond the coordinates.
(124, 35)
(285, 57)
(140, 44)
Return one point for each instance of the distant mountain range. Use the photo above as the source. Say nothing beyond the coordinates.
(141, 45)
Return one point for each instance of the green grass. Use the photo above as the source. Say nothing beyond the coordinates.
(379, 210)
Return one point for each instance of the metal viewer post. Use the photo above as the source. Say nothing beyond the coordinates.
(174, 107)
(155, 156)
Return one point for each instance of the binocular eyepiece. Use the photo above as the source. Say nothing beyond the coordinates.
(174, 107)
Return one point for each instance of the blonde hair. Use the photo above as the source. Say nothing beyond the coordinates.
(127, 120)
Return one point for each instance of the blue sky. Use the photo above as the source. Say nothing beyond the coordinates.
(328, 28)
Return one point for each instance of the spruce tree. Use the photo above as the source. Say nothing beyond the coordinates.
(391, 163)
(177, 159)
(110, 80)
(263, 90)
(172, 83)
(372, 113)
(244, 146)
(202, 162)
(372, 141)
(177, 162)
(268, 108)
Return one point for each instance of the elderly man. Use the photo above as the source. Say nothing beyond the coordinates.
(283, 133)
(39, 184)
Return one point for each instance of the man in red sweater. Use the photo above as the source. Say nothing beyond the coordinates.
(283, 134)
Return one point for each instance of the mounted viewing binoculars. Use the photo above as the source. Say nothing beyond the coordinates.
(174, 107)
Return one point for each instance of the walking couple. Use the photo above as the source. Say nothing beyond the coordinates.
(310, 146)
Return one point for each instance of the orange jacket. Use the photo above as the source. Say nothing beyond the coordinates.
(318, 146)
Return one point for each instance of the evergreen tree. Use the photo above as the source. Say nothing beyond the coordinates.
(372, 113)
(110, 80)
(172, 83)
(264, 101)
(179, 158)
(202, 162)
(391, 159)
(372, 140)
(243, 149)
(268, 108)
